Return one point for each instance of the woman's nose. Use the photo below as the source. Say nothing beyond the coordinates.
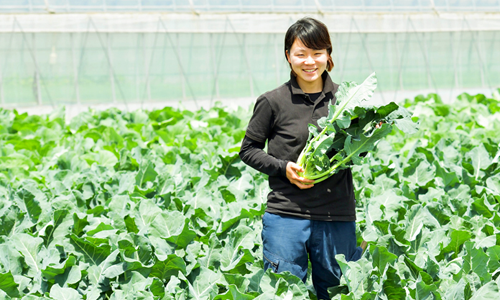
(309, 60)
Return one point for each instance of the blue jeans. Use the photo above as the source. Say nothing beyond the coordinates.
(288, 241)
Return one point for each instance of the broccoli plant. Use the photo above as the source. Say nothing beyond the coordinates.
(351, 129)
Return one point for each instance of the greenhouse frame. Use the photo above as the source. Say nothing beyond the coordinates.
(145, 52)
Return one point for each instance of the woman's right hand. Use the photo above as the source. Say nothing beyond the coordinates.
(291, 173)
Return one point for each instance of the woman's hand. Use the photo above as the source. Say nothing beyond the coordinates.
(291, 173)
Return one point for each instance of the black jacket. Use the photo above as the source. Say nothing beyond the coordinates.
(281, 119)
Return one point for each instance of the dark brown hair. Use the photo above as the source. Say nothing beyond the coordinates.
(313, 34)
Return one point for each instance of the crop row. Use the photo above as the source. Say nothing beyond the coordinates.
(158, 205)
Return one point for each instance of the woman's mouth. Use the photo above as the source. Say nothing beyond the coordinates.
(309, 70)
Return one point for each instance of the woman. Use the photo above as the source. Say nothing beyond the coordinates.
(302, 221)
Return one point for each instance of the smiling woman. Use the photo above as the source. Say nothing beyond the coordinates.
(303, 221)
(309, 54)
(307, 65)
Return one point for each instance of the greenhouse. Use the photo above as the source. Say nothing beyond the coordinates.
(121, 52)
(169, 150)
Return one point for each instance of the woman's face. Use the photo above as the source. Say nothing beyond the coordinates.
(307, 63)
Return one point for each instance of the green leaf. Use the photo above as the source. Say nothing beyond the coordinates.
(79, 224)
(8, 285)
(350, 95)
(392, 286)
(168, 267)
(233, 294)
(146, 213)
(423, 173)
(382, 257)
(494, 255)
(356, 273)
(458, 238)
(174, 227)
(476, 261)
(493, 183)
(92, 253)
(456, 291)
(10, 260)
(284, 284)
(29, 247)
(48, 232)
(424, 291)
(237, 248)
(488, 291)
(31, 197)
(60, 293)
(203, 283)
(480, 159)
(414, 222)
(97, 271)
(146, 173)
(53, 270)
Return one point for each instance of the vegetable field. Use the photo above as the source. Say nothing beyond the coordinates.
(158, 205)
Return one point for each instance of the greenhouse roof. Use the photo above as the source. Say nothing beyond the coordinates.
(276, 6)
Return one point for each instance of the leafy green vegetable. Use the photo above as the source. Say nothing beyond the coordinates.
(341, 140)
(176, 215)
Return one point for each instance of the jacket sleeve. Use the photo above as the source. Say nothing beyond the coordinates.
(252, 153)
(259, 130)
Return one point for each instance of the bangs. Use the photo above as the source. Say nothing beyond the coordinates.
(314, 39)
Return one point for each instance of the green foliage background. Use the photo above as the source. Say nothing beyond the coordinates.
(157, 205)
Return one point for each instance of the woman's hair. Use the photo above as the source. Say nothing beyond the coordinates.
(313, 34)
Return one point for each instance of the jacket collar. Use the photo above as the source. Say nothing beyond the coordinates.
(328, 85)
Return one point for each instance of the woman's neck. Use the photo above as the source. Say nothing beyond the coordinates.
(310, 87)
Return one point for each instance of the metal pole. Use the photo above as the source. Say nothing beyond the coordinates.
(146, 66)
(276, 59)
(111, 70)
(183, 79)
(2, 101)
(429, 79)
(148, 82)
(342, 66)
(455, 55)
(137, 60)
(180, 64)
(2, 94)
(219, 59)
(401, 60)
(38, 93)
(475, 41)
(242, 45)
(81, 59)
(106, 48)
(249, 70)
(214, 66)
(427, 64)
(75, 69)
(363, 42)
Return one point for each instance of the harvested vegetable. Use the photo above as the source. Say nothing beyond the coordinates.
(350, 130)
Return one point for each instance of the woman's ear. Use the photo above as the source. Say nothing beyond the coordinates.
(288, 56)
(329, 65)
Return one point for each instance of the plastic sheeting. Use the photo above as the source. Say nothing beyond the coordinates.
(200, 6)
(247, 23)
(144, 58)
